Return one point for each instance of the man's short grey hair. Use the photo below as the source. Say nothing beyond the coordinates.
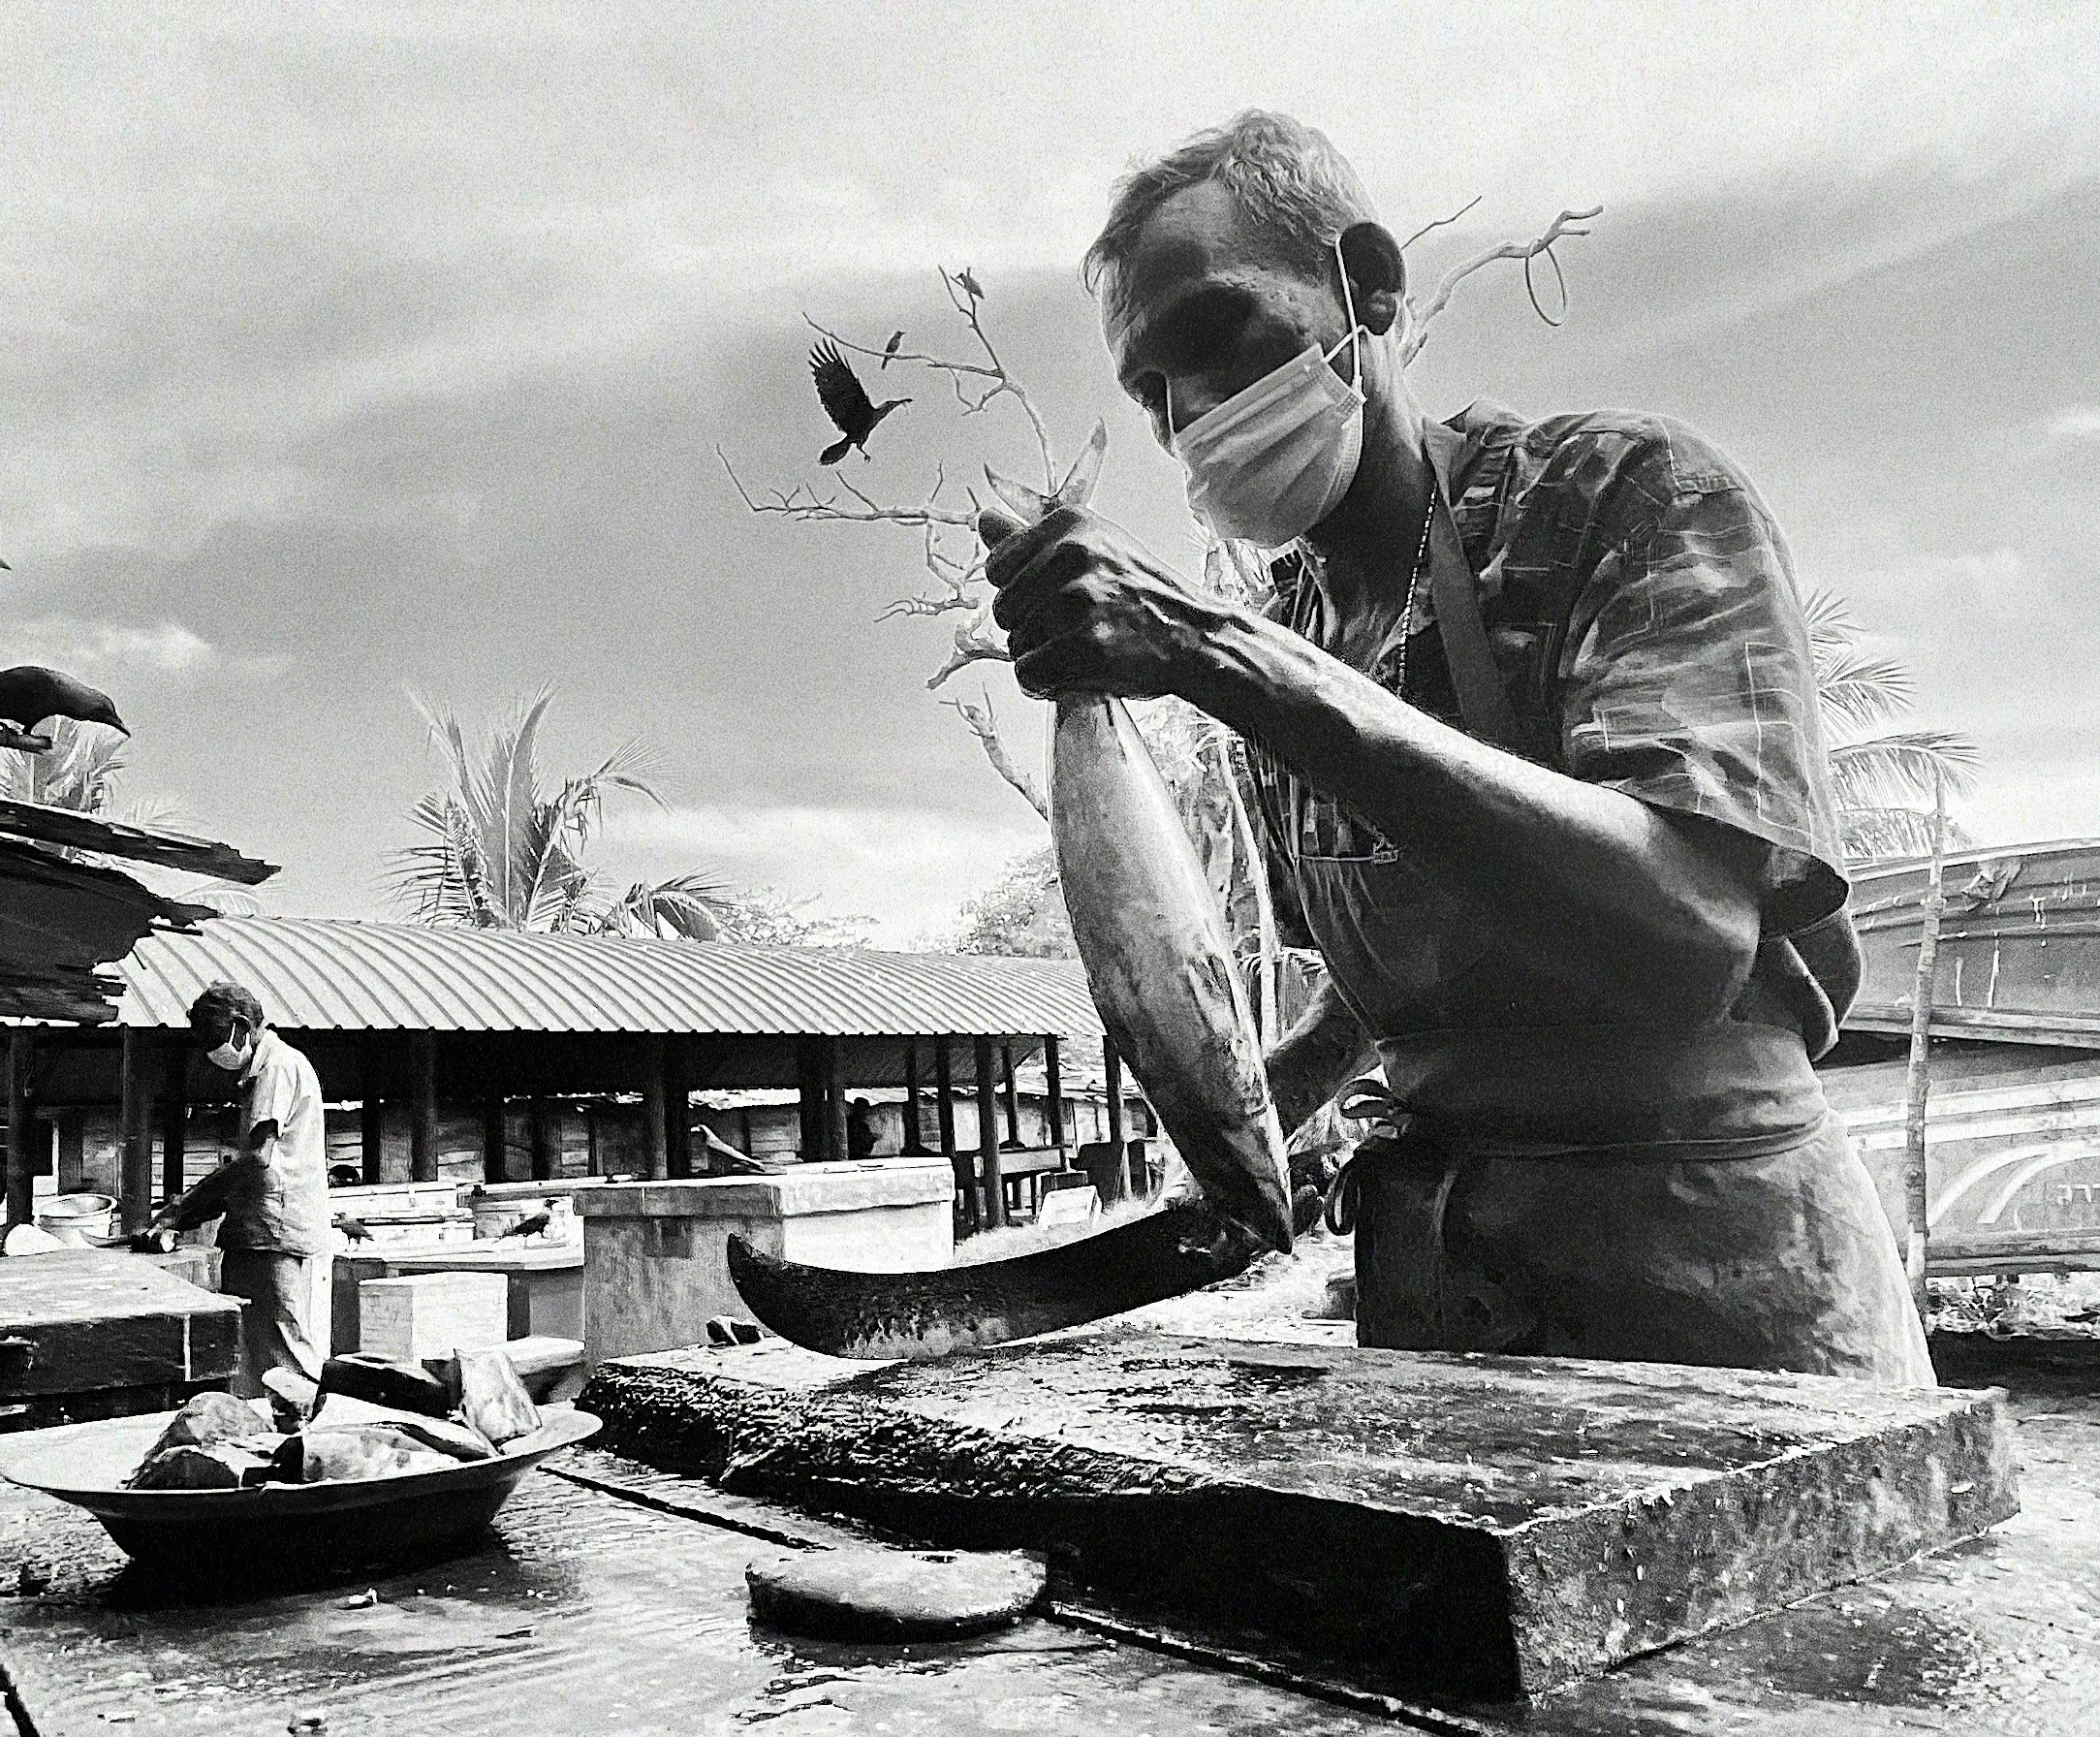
(1289, 181)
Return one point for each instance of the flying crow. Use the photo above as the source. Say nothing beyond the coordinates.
(890, 349)
(846, 402)
(30, 693)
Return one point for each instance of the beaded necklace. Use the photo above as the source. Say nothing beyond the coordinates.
(1316, 563)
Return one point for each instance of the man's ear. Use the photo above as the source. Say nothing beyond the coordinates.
(1377, 275)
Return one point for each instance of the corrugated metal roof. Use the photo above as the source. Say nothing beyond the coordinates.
(319, 975)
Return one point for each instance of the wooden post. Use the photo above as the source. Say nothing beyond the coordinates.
(496, 1141)
(21, 1191)
(1055, 1102)
(72, 1163)
(543, 1136)
(834, 1100)
(590, 1137)
(655, 1117)
(915, 1144)
(988, 1136)
(943, 1113)
(373, 1130)
(134, 1124)
(1918, 1077)
(422, 1119)
(174, 1119)
(677, 1106)
(809, 1101)
(1112, 1069)
(1012, 1098)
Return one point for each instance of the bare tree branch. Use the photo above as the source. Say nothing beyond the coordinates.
(805, 506)
(978, 715)
(1441, 222)
(1564, 225)
(976, 640)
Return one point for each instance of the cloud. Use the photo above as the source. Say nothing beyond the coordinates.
(911, 869)
(2077, 422)
(169, 649)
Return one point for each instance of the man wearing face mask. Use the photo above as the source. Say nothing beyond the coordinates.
(274, 1196)
(1534, 734)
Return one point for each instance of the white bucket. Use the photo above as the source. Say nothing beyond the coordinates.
(77, 1219)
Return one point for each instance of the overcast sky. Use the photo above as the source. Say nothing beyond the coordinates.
(350, 351)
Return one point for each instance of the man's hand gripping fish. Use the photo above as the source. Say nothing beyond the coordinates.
(1160, 968)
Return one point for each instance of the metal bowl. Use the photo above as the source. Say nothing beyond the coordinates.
(352, 1522)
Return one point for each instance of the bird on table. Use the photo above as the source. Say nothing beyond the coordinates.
(846, 402)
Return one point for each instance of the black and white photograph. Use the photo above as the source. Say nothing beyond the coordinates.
(1178, 869)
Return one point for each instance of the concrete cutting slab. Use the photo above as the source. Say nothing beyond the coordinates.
(1461, 1525)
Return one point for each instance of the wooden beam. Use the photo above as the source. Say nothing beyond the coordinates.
(134, 1125)
(944, 1095)
(1112, 1069)
(21, 1190)
(914, 1141)
(835, 1101)
(423, 1117)
(72, 1160)
(1012, 1098)
(1054, 1100)
(655, 1122)
(174, 1117)
(111, 838)
(988, 1136)
(944, 1110)
(372, 1132)
(677, 1105)
(809, 1101)
(496, 1141)
(544, 1126)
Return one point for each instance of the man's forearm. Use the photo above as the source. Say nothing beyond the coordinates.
(1312, 1060)
(212, 1196)
(1621, 900)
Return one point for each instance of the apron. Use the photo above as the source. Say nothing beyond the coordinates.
(1599, 1188)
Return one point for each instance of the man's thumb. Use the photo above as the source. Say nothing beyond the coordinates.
(995, 527)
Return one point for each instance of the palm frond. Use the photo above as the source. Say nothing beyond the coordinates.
(1857, 690)
(1831, 626)
(1901, 769)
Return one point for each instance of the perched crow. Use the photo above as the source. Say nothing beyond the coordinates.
(30, 693)
(846, 402)
(890, 349)
(970, 286)
(530, 1226)
(351, 1229)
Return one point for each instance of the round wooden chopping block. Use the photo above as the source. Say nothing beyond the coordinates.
(866, 1592)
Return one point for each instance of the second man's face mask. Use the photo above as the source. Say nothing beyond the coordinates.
(1278, 456)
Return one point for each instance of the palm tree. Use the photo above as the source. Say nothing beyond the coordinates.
(1888, 782)
(1878, 779)
(80, 772)
(501, 850)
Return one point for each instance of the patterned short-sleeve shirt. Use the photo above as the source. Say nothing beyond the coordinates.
(1642, 609)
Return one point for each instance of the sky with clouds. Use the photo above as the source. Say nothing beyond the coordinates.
(351, 351)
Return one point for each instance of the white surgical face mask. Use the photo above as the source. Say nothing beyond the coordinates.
(1278, 456)
(229, 1055)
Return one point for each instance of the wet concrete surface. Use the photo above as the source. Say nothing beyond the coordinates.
(587, 1613)
(583, 1614)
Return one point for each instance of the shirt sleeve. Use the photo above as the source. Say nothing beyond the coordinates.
(1688, 685)
(275, 1090)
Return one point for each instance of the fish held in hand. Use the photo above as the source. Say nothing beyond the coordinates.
(1160, 967)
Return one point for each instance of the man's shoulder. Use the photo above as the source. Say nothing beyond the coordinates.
(1630, 453)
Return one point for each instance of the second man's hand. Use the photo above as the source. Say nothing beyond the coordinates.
(1088, 609)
